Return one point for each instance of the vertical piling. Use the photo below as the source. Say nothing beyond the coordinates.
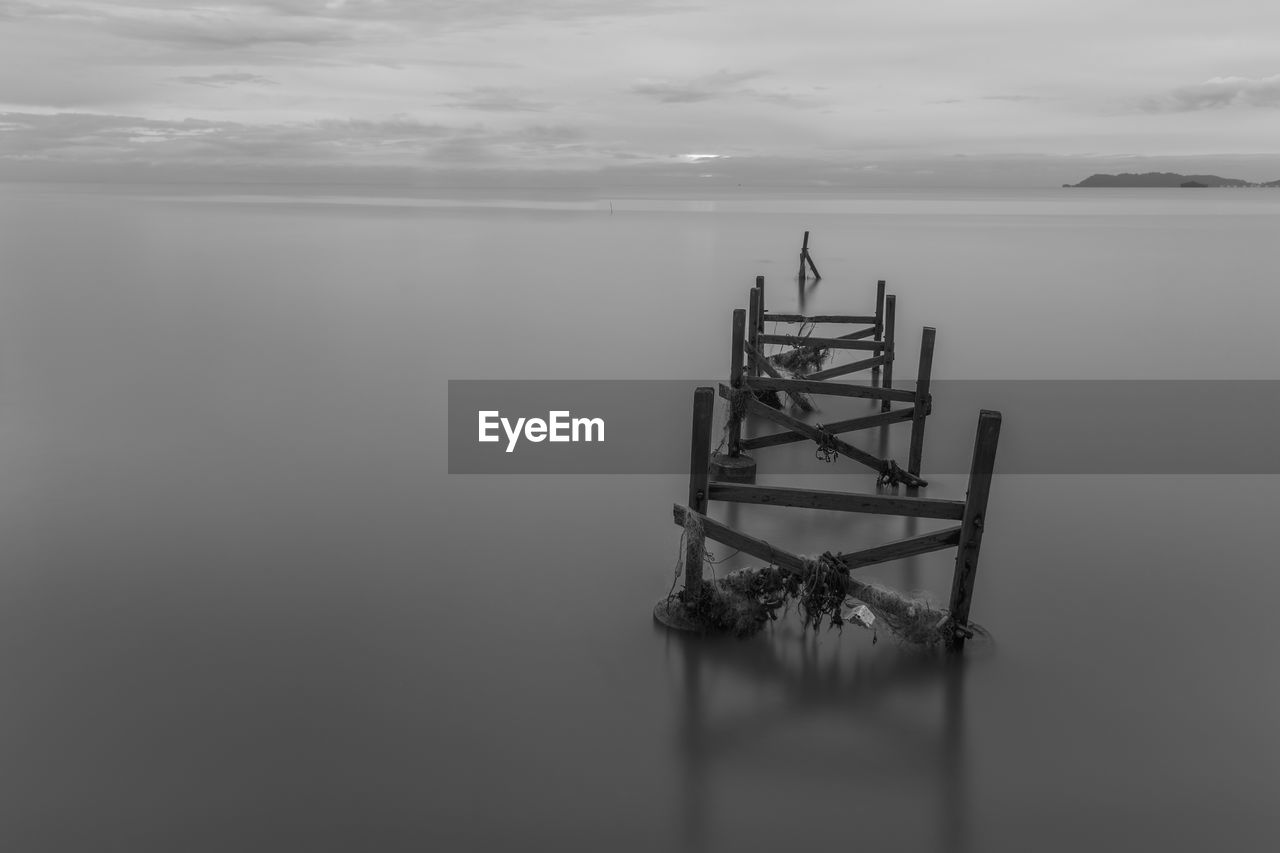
(879, 335)
(971, 528)
(921, 407)
(704, 402)
(760, 287)
(890, 316)
(735, 380)
(753, 330)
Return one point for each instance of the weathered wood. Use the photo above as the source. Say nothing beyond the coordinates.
(922, 407)
(704, 403)
(833, 389)
(845, 369)
(736, 377)
(762, 550)
(747, 544)
(859, 335)
(753, 329)
(804, 250)
(890, 317)
(915, 545)
(805, 256)
(833, 343)
(839, 501)
(850, 319)
(760, 317)
(974, 522)
(875, 371)
(799, 399)
(850, 425)
(817, 435)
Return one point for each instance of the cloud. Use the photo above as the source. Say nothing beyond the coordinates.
(1217, 93)
(110, 141)
(230, 78)
(497, 99)
(717, 86)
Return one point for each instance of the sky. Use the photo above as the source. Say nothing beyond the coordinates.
(827, 92)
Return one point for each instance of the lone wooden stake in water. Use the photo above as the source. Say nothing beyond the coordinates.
(807, 259)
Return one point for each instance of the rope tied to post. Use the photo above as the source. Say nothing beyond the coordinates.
(827, 450)
(736, 407)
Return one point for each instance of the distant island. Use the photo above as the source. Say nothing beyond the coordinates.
(1166, 179)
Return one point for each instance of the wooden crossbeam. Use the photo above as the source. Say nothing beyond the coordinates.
(855, 320)
(845, 369)
(851, 425)
(911, 507)
(860, 334)
(799, 399)
(775, 556)
(833, 343)
(902, 548)
(783, 419)
(832, 389)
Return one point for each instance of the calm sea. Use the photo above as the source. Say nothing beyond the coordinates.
(243, 605)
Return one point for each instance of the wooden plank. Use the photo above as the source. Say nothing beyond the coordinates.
(833, 343)
(808, 257)
(753, 329)
(743, 542)
(975, 516)
(914, 546)
(704, 402)
(762, 550)
(831, 389)
(922, 401)
(850, 425)
(890, 319)
(852, 367)
(838, 501)
(849, 319)
(799, 399)
(783, 419)
(860, 334)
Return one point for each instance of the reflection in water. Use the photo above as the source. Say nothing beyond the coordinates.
(861, 695)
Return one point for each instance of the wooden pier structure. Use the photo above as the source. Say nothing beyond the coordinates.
(730, 477)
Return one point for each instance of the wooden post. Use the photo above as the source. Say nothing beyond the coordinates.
(760, 287)
(735, 379)
(704, 401)
(804, 250)
(753, 329)
(890, 314)
(921, 407)
(879, 336)
(975, 512)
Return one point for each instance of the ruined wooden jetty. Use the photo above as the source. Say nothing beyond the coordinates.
(680, 611)
(752, 375)
(745, 599)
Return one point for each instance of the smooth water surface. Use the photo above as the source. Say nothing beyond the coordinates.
(243, 605)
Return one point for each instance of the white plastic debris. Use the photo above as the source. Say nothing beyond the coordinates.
(861, 615)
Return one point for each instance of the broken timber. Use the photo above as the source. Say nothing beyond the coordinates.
(761, 377)
(966, 538)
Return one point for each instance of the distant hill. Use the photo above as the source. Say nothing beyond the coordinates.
(1163, 179)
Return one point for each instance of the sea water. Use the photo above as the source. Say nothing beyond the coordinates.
(244, 605)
